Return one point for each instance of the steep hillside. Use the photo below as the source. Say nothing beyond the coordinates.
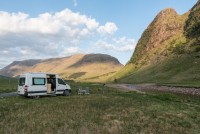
(77, 67)
(166, 26)
(167, 52)
(192, 25)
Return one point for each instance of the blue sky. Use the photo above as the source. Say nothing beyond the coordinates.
(57, 28)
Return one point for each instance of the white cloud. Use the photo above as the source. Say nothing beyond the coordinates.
(5, 51)
(55, 34)
(70, 51)
(117, 44)
(65, 21)
(46, 35)
(122, 48)
(108, 28)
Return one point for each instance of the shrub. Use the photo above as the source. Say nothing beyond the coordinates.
(179, 49)
(197, 49)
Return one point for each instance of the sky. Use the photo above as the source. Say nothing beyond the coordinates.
(42, 29)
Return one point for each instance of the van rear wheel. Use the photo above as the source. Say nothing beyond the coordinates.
(66, 93)
(35, 97)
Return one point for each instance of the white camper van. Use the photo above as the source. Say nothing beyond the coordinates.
(39, 84)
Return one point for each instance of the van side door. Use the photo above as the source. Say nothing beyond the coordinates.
(38, 85)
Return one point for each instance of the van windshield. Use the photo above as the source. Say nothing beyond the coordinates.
(21, 81)
(60, 81)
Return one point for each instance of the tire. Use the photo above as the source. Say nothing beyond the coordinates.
(35, 97)
(66, 93)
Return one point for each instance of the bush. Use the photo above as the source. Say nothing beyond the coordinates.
(179, 49)
(197, 49)
(115, 80)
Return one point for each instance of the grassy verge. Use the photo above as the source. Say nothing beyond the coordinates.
(187, 85)
(182, 70)
(8, 85)
(101, 112)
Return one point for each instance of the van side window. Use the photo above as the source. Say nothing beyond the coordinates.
(21, 81)
(39, 81)
(60, 81)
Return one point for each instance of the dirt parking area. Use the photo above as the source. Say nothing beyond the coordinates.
(154, 87)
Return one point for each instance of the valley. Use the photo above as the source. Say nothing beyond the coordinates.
(156, 91)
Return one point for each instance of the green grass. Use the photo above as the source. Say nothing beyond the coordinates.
(96, 87)
(109, 112)
(179, 70)
(8, 84)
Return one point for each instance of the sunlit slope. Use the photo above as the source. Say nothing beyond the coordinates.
(78, 67)
(167, 52)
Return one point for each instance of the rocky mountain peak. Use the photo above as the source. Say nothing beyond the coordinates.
(167, 12)
(166, 25)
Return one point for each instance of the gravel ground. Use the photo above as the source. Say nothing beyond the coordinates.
(142, 88)
(8, 94)
(153, 87)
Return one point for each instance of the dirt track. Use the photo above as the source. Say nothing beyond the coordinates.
(8, 94)
(142, 88)
(153, 87)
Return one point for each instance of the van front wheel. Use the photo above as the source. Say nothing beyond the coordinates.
(66, 93)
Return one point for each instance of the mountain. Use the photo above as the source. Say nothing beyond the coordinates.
(167, 52)
(192, 26)
(90, 67)
(4, 77)
(18, 67)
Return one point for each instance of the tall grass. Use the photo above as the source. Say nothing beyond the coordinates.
(100, 112)
(8, 84)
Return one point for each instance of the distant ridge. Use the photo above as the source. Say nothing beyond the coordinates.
(77, 67)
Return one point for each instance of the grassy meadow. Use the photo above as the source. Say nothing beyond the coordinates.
(8, 84)
(105, 110)
(181, 72)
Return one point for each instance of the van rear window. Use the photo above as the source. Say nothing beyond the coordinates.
(21, 81)
(39, 81)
